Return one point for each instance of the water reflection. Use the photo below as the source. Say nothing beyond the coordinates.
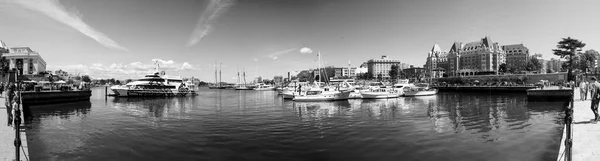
(64, 111)
(155, 109)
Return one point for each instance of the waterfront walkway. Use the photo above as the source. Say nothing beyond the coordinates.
(7, 137)
(586, 135)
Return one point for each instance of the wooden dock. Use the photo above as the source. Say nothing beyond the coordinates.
(586, 135)
(7, 137)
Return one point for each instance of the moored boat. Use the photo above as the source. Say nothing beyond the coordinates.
(153, 85)
(380, 93)
(417, 90)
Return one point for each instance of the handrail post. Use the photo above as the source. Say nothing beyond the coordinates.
(568, 125)
(17, 118)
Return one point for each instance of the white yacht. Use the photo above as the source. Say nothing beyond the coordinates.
(153, 85)
(399, 87)
(264, 87)
(380, 93)
(322, 94)
(419, 90)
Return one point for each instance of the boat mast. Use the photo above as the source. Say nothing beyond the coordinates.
(238, 75)
(220, 80)
(215, 72)
(319, 68)
(244, 71)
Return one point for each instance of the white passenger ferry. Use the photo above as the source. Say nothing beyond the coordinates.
(154, 85)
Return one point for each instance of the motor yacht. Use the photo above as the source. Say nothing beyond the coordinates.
(153, 85)
(380, 93)
(419, 90)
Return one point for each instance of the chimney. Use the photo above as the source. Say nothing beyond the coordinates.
(383, 56)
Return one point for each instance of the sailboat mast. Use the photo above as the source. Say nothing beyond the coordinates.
(319, 68)
(244, 71)
(215, 72)
(220, 80)
(238, 75)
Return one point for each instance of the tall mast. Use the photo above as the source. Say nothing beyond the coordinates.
(215, 72)
(220, 80)
(244, 71)
(238, 75)
(319, 68)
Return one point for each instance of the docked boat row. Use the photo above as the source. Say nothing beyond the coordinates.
(155, 85)
(346, 90)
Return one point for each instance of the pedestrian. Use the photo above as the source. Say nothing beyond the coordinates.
(1, 88)
(595, 97)
(582, 90)
(8, 104)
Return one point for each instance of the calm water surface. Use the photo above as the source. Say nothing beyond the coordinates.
(259, 125)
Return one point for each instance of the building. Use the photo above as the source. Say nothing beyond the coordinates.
(414, 74)
(517, 56)
(349, 72)
(475, 58)
(381, 66)
(437, 62)
(25, 60)
(554, 65)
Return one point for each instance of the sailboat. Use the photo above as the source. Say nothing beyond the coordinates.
(243, 86)
(217, 83)
(326, 93)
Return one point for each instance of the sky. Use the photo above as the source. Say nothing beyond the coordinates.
(124, 39)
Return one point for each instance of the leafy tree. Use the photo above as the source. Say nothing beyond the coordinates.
(379, 77)
(567, 49)
(502, 68)
(534, 64)
(128, 80)
(102, 81)
(117, 82)
(86, 78)
(394, 72)
(586, 60)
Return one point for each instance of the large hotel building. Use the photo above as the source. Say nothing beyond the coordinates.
(516, 57)
(473, 58)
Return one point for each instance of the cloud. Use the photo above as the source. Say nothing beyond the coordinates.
(125, 71)
(275, 55)
(58, 12)
(210, 15)
(306, 50)
(255, 59)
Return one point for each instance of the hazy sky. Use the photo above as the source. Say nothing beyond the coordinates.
(121, 38)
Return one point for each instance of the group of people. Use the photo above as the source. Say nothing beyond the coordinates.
(592, 87)
(11, 98)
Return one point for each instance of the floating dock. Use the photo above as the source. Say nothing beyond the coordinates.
(550, 94)
(585, 134)
(7, 137)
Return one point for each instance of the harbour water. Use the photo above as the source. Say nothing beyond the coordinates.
(259, 125)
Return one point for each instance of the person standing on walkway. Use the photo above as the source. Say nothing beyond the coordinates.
(595, 90)
(8, 104)
(583, 89)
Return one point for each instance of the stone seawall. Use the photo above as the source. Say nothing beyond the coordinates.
(37, 98)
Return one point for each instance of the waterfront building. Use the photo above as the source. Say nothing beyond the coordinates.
(554, 65)
(363, 68)
(381, 66)
(474, 58)
(517, 57)
(414, 74)
(3, 47)
(24, 59)
(437, 62)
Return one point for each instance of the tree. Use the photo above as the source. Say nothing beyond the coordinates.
(86, 78)
(128, 80)
(502, 68)
(118, 82)
(534, 64)
(379, 77)
(567, 49)
(394, 72)
(102, 81)
(586, 60)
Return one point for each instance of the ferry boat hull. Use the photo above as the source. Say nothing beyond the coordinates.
(265, 89)
(122, 92)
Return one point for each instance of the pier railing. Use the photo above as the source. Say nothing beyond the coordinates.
(568, 153)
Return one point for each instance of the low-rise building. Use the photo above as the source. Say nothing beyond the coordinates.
(25, 60)
(381, 66)
(517, 57)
